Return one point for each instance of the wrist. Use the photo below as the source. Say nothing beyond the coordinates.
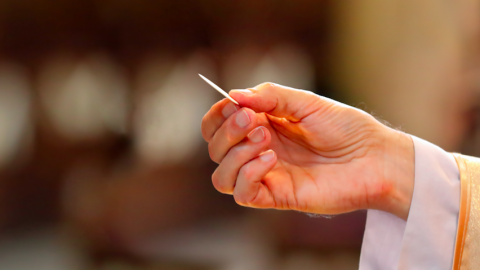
(399, 173)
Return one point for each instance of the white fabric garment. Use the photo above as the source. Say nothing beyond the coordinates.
(427, 239)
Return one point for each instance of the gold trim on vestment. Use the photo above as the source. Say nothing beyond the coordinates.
(467, 245)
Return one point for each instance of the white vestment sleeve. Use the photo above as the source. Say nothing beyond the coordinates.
(427, 239)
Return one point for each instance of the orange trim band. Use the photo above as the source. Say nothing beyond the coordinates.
(464, 212)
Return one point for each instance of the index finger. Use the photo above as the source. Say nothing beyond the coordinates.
(215, 117)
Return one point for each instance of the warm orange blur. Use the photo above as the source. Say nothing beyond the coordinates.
(102, 163)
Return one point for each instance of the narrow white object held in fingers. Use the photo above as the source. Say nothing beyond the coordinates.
(218, 89)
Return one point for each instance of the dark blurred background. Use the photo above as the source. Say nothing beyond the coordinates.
(102, 164)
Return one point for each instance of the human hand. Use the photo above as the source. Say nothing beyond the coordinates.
(291, 149)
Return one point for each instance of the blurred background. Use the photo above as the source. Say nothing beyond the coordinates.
(102, 164)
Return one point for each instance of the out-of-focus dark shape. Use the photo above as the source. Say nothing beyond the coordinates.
(16, 129)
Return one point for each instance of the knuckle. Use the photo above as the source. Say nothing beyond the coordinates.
(213, 154)
(246, 172)
(239, 199)
(231, 131)
(235, 152)
(310, 93)
(230, 137)
(219, 184)
(266, 86)
(238, 152)
(216, 181)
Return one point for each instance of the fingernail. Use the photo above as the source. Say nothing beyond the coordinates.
(242, 119)
(228, 109)
(267, 156)
(242, 91)
(257, 135)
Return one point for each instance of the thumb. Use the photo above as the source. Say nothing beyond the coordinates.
(280, 101)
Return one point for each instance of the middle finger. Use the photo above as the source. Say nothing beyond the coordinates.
(232, 131)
